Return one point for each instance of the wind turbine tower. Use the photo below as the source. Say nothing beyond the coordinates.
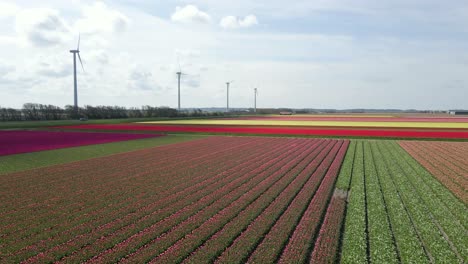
(227, 98)
(75, 53)
(255, 99)
(179, 74)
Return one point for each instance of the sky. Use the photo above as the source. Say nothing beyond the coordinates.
(342, 54)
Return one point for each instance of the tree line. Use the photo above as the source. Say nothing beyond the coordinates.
(35, 112)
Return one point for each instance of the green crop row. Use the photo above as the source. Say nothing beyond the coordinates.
(398, 212)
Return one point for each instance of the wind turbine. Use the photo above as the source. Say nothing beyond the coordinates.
(255, 99)
(76, 52)
(179, 74)
(227, 85)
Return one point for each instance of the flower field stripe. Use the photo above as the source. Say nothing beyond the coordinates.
(246, 242)
(354, 248)
(300, 244)
(439, 164)
(440, 213)
(451, 151)
(407, 238)
(183, 247)
(457, 207)
(23, 141)
(153, 233)
(344, 178)
(438, 247)
(455, 183)
(217, 241)
(326, 246)
(283, 130)
(49, 241)
(239, 154)
(172, 196)
(77, 167)
(165, 240)
(224, 237)
(280, 219)
(273, 243)
(381, 240)
(171, 211)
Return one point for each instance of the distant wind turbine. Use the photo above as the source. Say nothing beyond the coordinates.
(255, 99)
(76, 52)
(179, 74)
(227, 105)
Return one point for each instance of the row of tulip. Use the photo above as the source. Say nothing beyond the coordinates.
(442, 164)
(159, 209)
(88, 225)
(326, 246)
(223, 209)
(292, 176)
(125, 159)
(299, 247)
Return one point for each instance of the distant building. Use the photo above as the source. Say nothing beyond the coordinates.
(458, 112)
(286, 113)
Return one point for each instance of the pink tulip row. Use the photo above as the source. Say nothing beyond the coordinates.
(53, 176)
(129, 159)
(134, 222)
(259, 181)
(224, 237)
(247, 241)
(310, 202)
(157, 228)
(326, 246)
(116, 175)
(235, 219)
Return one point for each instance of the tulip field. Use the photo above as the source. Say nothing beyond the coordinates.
(359, 126)
(235, 199)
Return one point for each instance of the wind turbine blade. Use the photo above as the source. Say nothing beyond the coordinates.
(79, 36)
(81, 62)
(178, 62)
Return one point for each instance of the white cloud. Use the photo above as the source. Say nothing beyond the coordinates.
(8, 9)
(141, 79)
(98, 18)
(41, 26)
(190, 14)
(232, 22)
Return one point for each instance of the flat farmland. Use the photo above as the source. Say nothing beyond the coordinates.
(373, 126)
(216, 199)
(222, 199)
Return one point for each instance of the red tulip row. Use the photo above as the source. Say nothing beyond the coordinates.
(216, 240)
(129, 161)
(61, 235)
(260, 180)
(267, 232)
(155, 211)
(297, 249)
(326, 246)
(441, 163)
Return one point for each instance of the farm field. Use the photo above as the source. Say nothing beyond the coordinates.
(221, 199)
(397, 211)
(447, 161)
(282, 130)
(32, 160)
(228, 199)
(20, 141)
(292, 122)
